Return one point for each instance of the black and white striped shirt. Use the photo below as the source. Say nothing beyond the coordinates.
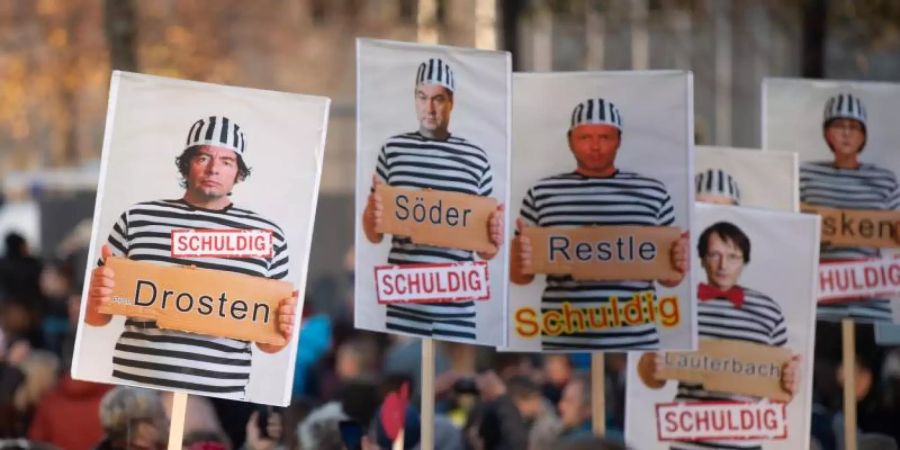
(206, 365)
(868, 187)
(759, 320)
(574, 200)
(413, 161)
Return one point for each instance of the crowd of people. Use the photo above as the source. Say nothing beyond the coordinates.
(485, 400)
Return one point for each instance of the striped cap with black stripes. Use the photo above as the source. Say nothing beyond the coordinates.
(218, 131)
(436, 71)
(717, 182)
(596, 111)
(845, 106)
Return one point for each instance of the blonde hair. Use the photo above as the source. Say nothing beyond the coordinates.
(123, 405)
(40, 369)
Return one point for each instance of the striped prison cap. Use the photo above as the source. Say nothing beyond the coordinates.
(596, 111)
(217, 131)
(436, 71)
(845, 106)
(717, 182)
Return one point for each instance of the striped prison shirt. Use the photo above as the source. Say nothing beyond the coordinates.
(868, 187)
(205, 365)
(760, 321)
(413, 161)
(574, 200)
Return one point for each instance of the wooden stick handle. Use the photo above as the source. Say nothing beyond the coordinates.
(849, 357)
(598, 391)
(427, 395)
(176, 421)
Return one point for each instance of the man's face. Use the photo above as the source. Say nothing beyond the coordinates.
(845, 136)
(529, 407)
(572, 410)
(213, 172)
(723, 262)
(433, 106)
(715, 199)
(594, 146)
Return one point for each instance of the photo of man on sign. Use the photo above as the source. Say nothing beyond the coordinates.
(431, 226)
(211, 165)
(596, 193)
(846, 183)
(746, 386)
(200, 239)
(728, 311)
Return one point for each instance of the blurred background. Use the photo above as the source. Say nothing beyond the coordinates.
(55, 63)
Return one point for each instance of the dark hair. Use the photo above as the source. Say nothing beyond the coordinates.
(521, 387)
(15, 245)
(183, 162)
(865, 133)
(447, 90)
(729, 232)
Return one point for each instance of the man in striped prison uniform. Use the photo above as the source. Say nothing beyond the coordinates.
(847, 183)
(729, 311)
(432, 158)
(596, 193)
(212, 162)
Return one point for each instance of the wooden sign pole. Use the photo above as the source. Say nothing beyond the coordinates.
(427, 395)
(598, 391)
(849, 357)
(176, 421)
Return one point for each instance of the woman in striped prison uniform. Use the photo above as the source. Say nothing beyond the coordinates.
(846, 183)
(212, 162)
(595, 193)
(432, 158)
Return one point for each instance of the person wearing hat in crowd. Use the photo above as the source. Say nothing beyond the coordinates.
(211, 164)
(717, 187)
(432, 158)
(597, 192)
(727, 310)
(844, 182)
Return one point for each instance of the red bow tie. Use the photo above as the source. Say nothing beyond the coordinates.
(735, 294)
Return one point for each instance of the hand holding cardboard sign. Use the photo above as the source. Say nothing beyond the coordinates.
(521, 262)
(373, 213)
(100, 291)
(284, 318)
(790, 374)
(679, 260)
(649, 370)
(495, 232)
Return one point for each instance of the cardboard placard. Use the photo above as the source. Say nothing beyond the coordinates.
(731, 366)
(860, 280)
(857, 227)
(238, 306)
(604, 252)
(721, 420)
(441, 218)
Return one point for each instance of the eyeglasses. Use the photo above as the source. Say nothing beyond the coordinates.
(846, 125)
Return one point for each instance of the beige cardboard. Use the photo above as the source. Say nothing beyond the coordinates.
(584, 242)
(451, 219)
(743, 353)
(857, 227)
(196, 283)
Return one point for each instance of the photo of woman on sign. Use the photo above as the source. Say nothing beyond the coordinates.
(845, 182)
